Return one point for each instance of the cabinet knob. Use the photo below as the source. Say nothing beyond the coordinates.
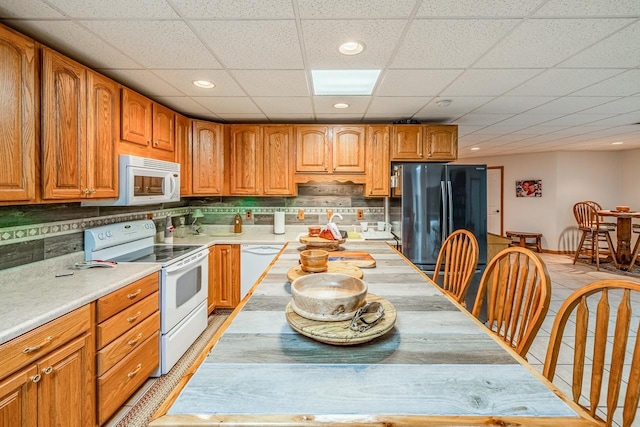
(420, 154)
(218, 190)
(334, 168)
(132, 319)
(429, 155)
(134, 372)
(370, 191)
(93, 191)
(155, 144)
(135, 340)
(35, 378)
(148, 141)
(228, 251)
(85, 191)
(48, 370)
(325, 168)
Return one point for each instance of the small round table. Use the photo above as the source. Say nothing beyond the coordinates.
(623, 232)
(525, 239)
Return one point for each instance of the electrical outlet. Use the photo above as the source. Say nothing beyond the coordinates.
(300, 214)
(329, 213)
(249, 215)
(360, 214)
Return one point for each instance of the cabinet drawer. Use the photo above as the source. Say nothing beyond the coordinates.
(122, 298)
(42, 340)
(128, 342)
(112, 328)
(115, 387)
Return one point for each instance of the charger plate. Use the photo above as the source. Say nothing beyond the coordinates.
(338, 333)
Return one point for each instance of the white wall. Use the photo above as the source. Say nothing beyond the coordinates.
(630, 179)
(567, 177)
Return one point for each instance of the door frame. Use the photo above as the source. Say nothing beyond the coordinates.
(501, 169)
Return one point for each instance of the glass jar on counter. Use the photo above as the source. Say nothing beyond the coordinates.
(181, 229)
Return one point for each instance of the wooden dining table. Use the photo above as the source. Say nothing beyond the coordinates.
(623, 233)
(438, 365)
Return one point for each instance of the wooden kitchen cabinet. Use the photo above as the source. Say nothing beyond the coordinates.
(224, 277)
(377, 164)
(278, 161)
(183, 153)
(208, 158)
(348, 153)
(424, 142)
(79, 123)
(312, 149)
(17, 117)
(47, 375)
(330, 149)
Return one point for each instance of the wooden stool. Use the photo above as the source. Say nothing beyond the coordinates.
(525, 239)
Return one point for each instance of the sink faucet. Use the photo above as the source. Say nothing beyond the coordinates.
(335, 214)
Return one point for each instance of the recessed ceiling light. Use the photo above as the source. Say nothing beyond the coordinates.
(475, 148)
(443, 103)
(617, 143)
(203, 84)
(344, 82)
(351, 48)
(341, 105)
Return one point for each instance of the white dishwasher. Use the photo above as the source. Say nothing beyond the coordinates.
(254, 260)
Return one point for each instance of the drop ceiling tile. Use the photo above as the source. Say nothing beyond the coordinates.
(284, 105)
(459, 106)
(148, 9)
(27, 9)
(230, 9)
(225, 105)
(477, 8)
(540, 130)
(273, 82)
(183, 81)
(183, 105)
(322, 39)
(482, 119)
(589, 8)
(619, 106)
(415, 82)
(358, 9)
(528, 119)
(488, 82)
(156, 44)
(620, 50)
(244, 118)
(504, 129)
(560, 82)
(84, 47)
(396, 106)
(547, 42)
(570, 104)
(623, 84)
(383, 118)
(467, 129)
(291, 118)
(577, 119)
(513, 104)
(619, 120)
(324, 104)
(253, 44)
(450, 43)
(339, 118)
(143, 81)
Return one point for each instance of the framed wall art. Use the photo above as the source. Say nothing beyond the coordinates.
(529, 188)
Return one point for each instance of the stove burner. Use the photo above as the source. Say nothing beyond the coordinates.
(157, 253)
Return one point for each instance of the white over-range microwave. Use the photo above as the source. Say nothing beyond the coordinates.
(144, 181)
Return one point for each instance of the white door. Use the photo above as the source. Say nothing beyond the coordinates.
(494, 200)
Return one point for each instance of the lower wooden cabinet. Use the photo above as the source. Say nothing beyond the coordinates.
(54, 380)
(224, 277)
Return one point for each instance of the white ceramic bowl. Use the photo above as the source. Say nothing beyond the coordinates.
(329, 297)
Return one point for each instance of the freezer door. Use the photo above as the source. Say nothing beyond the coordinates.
(422, 212)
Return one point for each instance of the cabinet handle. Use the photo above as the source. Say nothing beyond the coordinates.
(420, 154)
(429, 155)
(135, 340)
(134, 318)
(133, 373)
(46, 341)
(228, 250)
(148, 141)
(370, 191)
(93, 191)
(135, 294)
(85, 191)
(48, 370)
(35, 378)
(155, 144)
(325, 168)
(334, 168)
(218, 190)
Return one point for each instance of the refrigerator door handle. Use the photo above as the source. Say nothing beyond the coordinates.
(450, 211)
(443, 223)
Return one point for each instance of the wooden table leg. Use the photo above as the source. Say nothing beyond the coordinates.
(624, 242)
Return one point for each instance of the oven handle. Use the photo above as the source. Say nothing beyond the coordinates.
(189, 262)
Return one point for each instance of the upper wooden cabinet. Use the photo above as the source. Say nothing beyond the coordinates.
(79, 125)
(208, 158)
(277, 161)
(330, 149)
(377, 164)
(183, 153)
(17, 117)
(147, 128)
(424, 142)
(348, 149)
(312, 148)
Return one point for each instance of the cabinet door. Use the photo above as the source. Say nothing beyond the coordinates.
(19, 398)
(406, 142)
(226, 277)
(278, 161)
(245, 160)
(66, 391)
(442, 142)
(348, 149)
(64, 109)
(103, 125)
(136, 118)
(163, 135)
(378, 166)
(208, 158)
(17, 117)
(312, 148)
(183, 154)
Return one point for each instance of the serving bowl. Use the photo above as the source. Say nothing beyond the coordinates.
(622, 208)
(328, 297)
(314, 260)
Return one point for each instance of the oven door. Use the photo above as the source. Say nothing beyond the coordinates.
(184, 285)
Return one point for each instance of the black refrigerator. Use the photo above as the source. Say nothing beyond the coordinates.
(438, 199)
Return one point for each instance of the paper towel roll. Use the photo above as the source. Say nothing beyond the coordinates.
(278, 223)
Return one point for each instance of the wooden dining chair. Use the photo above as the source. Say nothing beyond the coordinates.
(516, 290)
(458, 259)
(605, 364)
(603, 222)
(636, 248)
(593, 235)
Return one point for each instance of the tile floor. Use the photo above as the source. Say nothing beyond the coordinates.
(566, 278)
